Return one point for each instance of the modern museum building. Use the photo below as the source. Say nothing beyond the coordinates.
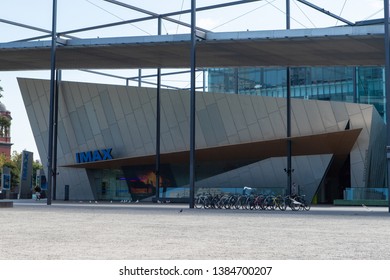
(107, 136)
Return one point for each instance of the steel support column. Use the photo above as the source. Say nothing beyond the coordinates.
(158, 122)
(387, 90)
(288, 99)
(55, 138)
(51, 109)
(192, 103)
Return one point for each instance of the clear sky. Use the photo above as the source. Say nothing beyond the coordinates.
(74, 14)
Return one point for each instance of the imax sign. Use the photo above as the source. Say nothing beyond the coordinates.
(96, 155)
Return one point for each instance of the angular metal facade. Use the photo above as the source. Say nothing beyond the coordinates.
(96, 116)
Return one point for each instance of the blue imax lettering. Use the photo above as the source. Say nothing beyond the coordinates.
(96, 155)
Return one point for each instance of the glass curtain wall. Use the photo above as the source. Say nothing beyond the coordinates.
(347, 84)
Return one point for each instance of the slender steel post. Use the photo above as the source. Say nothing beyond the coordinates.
(51, 109)
(55, 139)
(192, 103)
(139, 77)
(387, 91)
(288, 98)
(354, 81)
(158, 122)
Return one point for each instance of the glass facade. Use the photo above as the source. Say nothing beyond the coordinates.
(338, 83)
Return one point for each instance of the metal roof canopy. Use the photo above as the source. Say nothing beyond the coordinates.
(347, 45)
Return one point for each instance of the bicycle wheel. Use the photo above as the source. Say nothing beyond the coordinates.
(306, 207)
(294, 205)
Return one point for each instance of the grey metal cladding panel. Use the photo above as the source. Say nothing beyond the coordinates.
(124, 100)
(259, 107)
(267, 129)
(217, 123)
(340, 111)
(92, 118)
(294, 126)
(24, 91)
(134, 97)
(314, 117)
(352, 109)
(278, 124)
(247, 109)
(167, 141)
(99, 140)
(200, 104)
(33, 120)
(144, 95)
(78, 130)
(255, 131)
(84, 122)
(108, 138)
(134, 131)
(43, 143)
(125, 135)
(317, 167)
(208, 98)
(69, 130)
(107, 107)
(62, 138)
(302, 169)
(177, 137)
(327, 114)
(62, 106)
(93, 90)
(168, 110)
(207, 128)
(40, 88)
(227, 117)
(150, 118)
(40, 117)
(76, 94)
(116, 102)
(99, 111)
(238, 115)
(84, 92)
(118, 141)
(244, 135)
(45, 108)
(368, 116)
(178, 106)
(142, 125)
(32, 91)
(299, 113)
(68, 96)
(271, 104)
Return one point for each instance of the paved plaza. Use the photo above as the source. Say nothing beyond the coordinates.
(116, 231)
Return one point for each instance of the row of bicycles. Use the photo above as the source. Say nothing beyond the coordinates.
(252, 202)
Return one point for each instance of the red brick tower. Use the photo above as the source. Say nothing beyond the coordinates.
(5, 131)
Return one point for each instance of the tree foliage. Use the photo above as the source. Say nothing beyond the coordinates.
(15, 164)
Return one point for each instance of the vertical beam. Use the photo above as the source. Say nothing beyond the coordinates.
(387, 90)
(354, 81)
(288, 98)
(139, 77)
(51, 109)
(204, 79)
(158, 122)
(55, 138)
(192, 103)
